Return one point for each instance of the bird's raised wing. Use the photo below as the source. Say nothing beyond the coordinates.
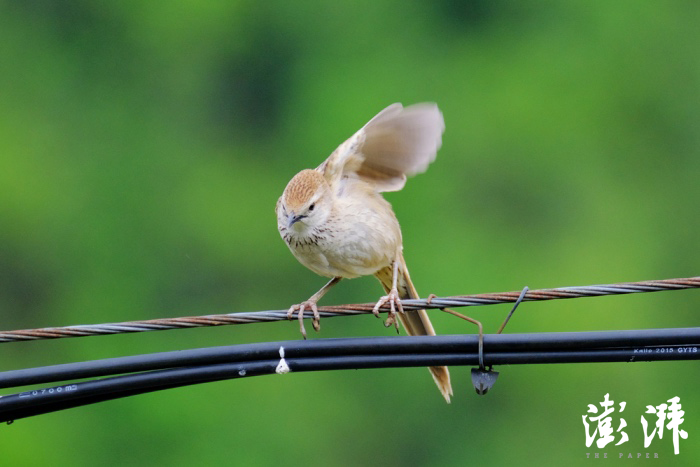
(396, 143)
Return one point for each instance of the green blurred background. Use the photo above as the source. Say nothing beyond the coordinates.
(143, 146)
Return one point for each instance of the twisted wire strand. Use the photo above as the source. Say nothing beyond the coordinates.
(346, 310)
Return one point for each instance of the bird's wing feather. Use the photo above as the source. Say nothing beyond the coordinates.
(396, 143)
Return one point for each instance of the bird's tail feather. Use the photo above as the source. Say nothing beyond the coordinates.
(417, 322)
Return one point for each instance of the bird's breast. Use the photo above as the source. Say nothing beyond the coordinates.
(356, 240)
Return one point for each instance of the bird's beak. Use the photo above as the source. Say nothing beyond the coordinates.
(292, 219)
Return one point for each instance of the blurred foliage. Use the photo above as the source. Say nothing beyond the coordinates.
(143, 146)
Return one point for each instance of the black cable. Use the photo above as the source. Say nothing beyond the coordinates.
(347, 346)
(48, 400)
(357, 353)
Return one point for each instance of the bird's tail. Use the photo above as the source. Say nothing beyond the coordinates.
(417, 322)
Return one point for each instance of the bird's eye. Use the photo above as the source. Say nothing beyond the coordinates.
(311, 208)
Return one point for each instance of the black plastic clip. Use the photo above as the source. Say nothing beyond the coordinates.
(483, 379)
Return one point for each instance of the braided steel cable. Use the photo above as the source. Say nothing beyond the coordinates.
(346, 310)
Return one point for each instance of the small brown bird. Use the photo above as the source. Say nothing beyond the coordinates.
(336, 222)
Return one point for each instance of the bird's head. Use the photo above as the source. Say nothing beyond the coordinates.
(306, 202)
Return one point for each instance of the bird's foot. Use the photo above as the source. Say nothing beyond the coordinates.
(394, 304)
(305, 305)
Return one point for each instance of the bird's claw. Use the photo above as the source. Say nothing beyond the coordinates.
(315, 322)
(394, 303)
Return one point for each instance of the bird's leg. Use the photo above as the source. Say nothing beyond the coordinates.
(311, 303)
(394, 300)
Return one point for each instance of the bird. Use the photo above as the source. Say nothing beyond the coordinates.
(336, 222)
